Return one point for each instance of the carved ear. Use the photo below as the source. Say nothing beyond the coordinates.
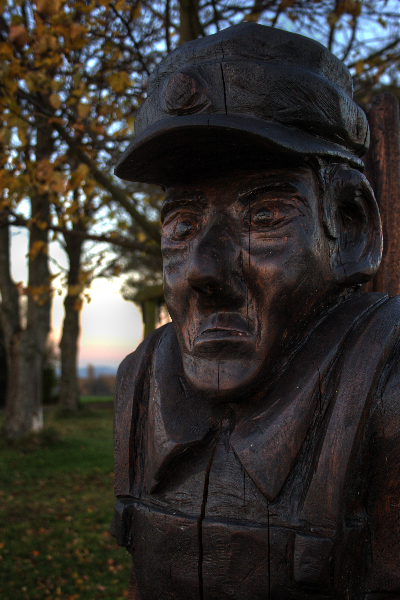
(351, 220)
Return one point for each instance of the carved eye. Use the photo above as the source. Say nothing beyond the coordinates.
(267, 215)
(179, 229)
(183, 229)
(263, 216)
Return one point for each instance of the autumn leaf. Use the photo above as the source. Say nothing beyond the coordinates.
(18, 35)
(78, 305)
(332, 19)
(78, 176)
(119, 81)
(83, 109)
(44, 170)
(75, 290)
(55, 101)
(48, 7)
(57, 182)
(6, 51)
(252, 17)
(76, 31)
(352, 7)
(359, 67)
(136, 11)
(5, 136)
(286, 4)
(121, 5)
(38, 246)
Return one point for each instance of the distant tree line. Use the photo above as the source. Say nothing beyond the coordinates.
(96, 385)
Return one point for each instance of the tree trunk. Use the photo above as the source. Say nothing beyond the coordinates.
(189, 23)
(26, 347)
(149, 310)
(383, 173)
(69, 388)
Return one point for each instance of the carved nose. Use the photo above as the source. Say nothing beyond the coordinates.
(213, 272)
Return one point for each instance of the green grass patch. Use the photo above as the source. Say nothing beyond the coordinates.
(89, 399)
(56, 505)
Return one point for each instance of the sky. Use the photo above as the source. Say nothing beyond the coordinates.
(111, 328)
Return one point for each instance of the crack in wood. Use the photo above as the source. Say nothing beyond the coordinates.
(203, 514)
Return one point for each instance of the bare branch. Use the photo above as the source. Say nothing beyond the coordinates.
(117, 193)
(19, 221)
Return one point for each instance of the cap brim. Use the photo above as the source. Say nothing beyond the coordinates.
(174, 148)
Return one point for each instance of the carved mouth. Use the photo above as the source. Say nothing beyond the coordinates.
(224, 326)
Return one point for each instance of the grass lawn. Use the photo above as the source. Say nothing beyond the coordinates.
(90, 399)
(56, 505)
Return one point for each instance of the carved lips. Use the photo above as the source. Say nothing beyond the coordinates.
(222, 327)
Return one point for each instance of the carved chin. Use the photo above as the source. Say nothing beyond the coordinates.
(221, 379)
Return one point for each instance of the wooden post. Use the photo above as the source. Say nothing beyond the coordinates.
(149, 298)
(149, 310)
(383, 173)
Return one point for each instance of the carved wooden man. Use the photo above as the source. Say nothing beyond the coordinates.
(257, 450)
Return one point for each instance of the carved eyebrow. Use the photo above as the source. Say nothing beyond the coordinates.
(279, 186)
(182, 199)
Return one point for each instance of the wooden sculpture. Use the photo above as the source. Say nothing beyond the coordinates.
(257, 450)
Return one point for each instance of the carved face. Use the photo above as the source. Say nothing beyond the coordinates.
(246, 262)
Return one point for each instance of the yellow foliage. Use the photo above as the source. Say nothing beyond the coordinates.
(75, 290)
(84, 6)
(55, 101)
(83, 109)
(119, 81)
(77, 176)
(76, 31)
(252, 17)
(130, 123)
(89, 186)
(286, 4)
(41, 225)
(38, 293)
(332, 19)
(37, 80)
(48, 7)
(104, 109)
(5, 138)
(44, 170)
(18, 35)
(36, 248)
(6, 51)
(58, 182)
(85, 276)
(56, 84)
(45, 43)
(78, 304)
(359, 67)
(352, 7)
(136, 11)
(121, 5)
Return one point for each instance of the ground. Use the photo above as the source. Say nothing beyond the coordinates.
(56, 505)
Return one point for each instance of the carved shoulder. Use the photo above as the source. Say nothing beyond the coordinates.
(130, 403)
